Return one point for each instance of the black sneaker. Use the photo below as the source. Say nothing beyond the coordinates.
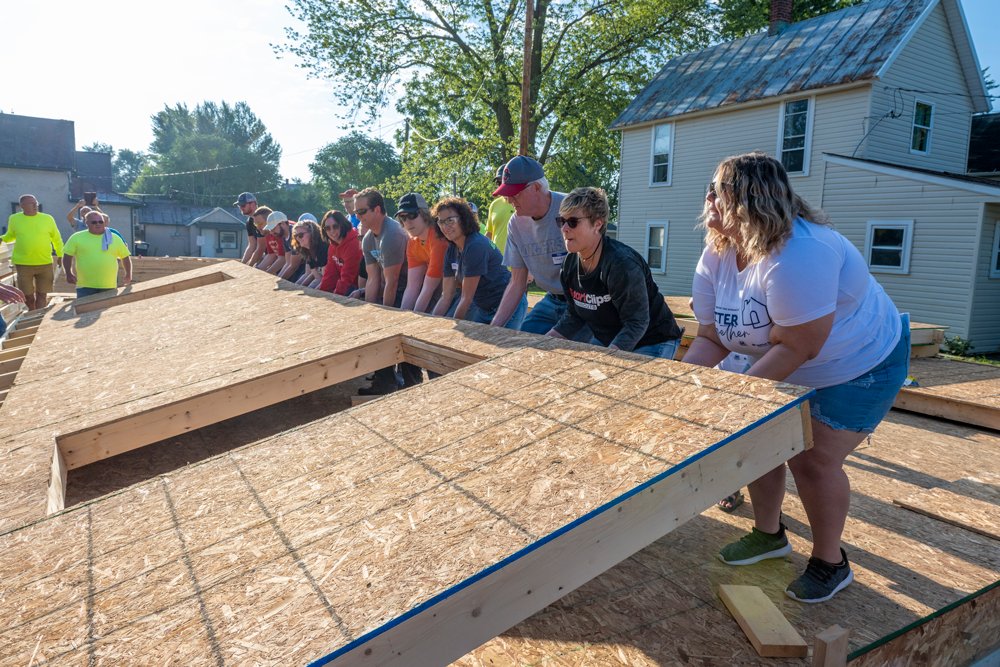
(821, 580)
(755, 547)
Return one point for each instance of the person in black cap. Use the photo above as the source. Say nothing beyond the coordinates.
(534, 244)
(255, 238)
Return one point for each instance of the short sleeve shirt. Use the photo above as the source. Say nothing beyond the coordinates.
(274, 245)
(252, 231)
(322, 256)
(429, 253)
(496, 222)
(479, 258)
(537, 245)
(387, 249)
(287, 242)
(95, 268)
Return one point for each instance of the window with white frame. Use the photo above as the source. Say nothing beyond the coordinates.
(887, 245)
(995, 257)
(663, 142)
(796, 130)
(923, 117)
(227, 239)
(656, 246)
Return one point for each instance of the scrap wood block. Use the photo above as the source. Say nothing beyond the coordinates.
(769, 632)
(972, 503)
(830, 647)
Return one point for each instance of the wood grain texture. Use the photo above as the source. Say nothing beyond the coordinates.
(959, 390)
(972, 503)
(769, 632)
(830, 647)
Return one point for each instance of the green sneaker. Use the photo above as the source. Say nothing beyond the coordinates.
(755, 547)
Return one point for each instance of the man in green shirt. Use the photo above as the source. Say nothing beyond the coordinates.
(34, 235)
(97, 252)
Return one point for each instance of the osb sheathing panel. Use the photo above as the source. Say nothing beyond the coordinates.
(966, 381)
(660, 607)
(290, 548)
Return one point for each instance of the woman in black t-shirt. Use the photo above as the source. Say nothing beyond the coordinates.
(608, 285)
(307, 240)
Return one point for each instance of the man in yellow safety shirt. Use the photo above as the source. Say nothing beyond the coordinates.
(34, 235)
(97, 252)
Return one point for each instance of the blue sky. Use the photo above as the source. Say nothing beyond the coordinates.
(113, 64)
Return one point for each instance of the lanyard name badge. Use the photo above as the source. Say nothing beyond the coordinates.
(558, 257)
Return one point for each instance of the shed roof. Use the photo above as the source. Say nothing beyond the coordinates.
(172, 213)
(105, 195)
(847, 46)
(984, 144)
(225, 220)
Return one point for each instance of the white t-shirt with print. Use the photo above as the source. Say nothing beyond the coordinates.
(816, 272)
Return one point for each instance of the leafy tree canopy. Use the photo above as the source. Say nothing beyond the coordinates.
(739, 18)
(456, 68)
(228, 147)
(126, 164)
(354, 161)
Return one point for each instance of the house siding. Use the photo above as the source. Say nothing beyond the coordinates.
(929, 62)
(943, 250)
(700, 143)
(984, 326)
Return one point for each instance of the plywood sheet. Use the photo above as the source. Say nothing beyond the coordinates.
(964, 391)
(350, 533)
(972, 503)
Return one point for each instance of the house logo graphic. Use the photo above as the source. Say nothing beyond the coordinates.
(755, 314)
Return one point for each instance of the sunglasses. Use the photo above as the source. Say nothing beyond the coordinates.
(332, 227)
(450, 221)
(360, 211)
(300, 235)
(401, 216)
(572, 222)
(712, 190)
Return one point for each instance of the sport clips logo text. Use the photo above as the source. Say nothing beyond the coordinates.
(589, 301)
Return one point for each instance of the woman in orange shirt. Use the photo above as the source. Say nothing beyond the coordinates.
(424, 254)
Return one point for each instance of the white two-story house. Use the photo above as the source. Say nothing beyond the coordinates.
(869, 109)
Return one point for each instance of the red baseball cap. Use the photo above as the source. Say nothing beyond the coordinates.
(349, 193)
(517, 174)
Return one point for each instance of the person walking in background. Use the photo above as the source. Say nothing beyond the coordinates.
(96, 253)
(35, 235)
(424, 254)
(255, 237)
(499, 214)
(315, 252)
(534, 243)
(608, 285)
(341, 273)
(484, 277)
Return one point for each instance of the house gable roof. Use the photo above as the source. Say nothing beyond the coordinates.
(983, 186)
(852, 45)
(218, 216)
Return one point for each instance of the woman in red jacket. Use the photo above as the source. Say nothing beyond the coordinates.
(341, 273)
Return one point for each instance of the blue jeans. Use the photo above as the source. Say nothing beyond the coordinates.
(860, 404)
(665, 350)
(87, 291)
(3, 327)
(481, 316)
(546, 314)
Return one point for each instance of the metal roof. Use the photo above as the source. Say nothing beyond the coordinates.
(984, 144)
(842, 47)
(77, 186)
(170, 213)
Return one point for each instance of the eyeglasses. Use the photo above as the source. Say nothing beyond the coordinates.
(572, 222)
(450, 221)
(712, 190)
(96, 222)
(300, 235)
(401, 216)
(330, 228)
(360, 211)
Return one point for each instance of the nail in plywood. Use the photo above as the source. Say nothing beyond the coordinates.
(769, 632)
(972, 503)
(830, 647)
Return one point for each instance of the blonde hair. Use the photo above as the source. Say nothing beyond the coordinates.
(592, 201)
(756, 201)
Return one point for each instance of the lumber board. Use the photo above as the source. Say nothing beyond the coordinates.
(11, 365)
(921, 351)
(15, 353)
(110, 439)
(357, 400)
(22, 333)
(129, 296)
(3, 396)
(830, 647)
(767, 629)
(7, 380)
(972, 503)
(958, 410)
(13, 343)
(56, 497)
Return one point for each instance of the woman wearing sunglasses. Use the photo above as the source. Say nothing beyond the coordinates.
(424, 254)
(775, 282)
(471, 255)
(308, 242)
(608, 285)
(341, 273)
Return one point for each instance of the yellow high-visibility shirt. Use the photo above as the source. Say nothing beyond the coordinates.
(95, 267)
(496, 222)
(34, 237)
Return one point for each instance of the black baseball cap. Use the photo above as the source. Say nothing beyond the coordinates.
(411, 203)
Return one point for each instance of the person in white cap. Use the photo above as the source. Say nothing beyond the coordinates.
(289, 265)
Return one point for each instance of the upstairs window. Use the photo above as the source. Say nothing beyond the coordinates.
(663, 140)
(656, 246)
(793, 144)
(887, 245)
(995, 257)
(923, 116)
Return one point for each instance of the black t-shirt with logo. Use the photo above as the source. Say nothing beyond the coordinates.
(252, 231)
(618, 300)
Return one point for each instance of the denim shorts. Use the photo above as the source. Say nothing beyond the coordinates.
(862, 403)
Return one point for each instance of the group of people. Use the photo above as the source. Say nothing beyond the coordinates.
(774, 283)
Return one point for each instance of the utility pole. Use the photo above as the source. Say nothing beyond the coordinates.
(454, 185)
(406, 140)
(529, 19)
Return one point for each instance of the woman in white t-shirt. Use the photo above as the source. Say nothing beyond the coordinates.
(782, 287)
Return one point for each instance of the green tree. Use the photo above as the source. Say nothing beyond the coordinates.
(295, 198)
(460, 66)
(227, 149)
(126, 164)
(739, 18)
(354, 161)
